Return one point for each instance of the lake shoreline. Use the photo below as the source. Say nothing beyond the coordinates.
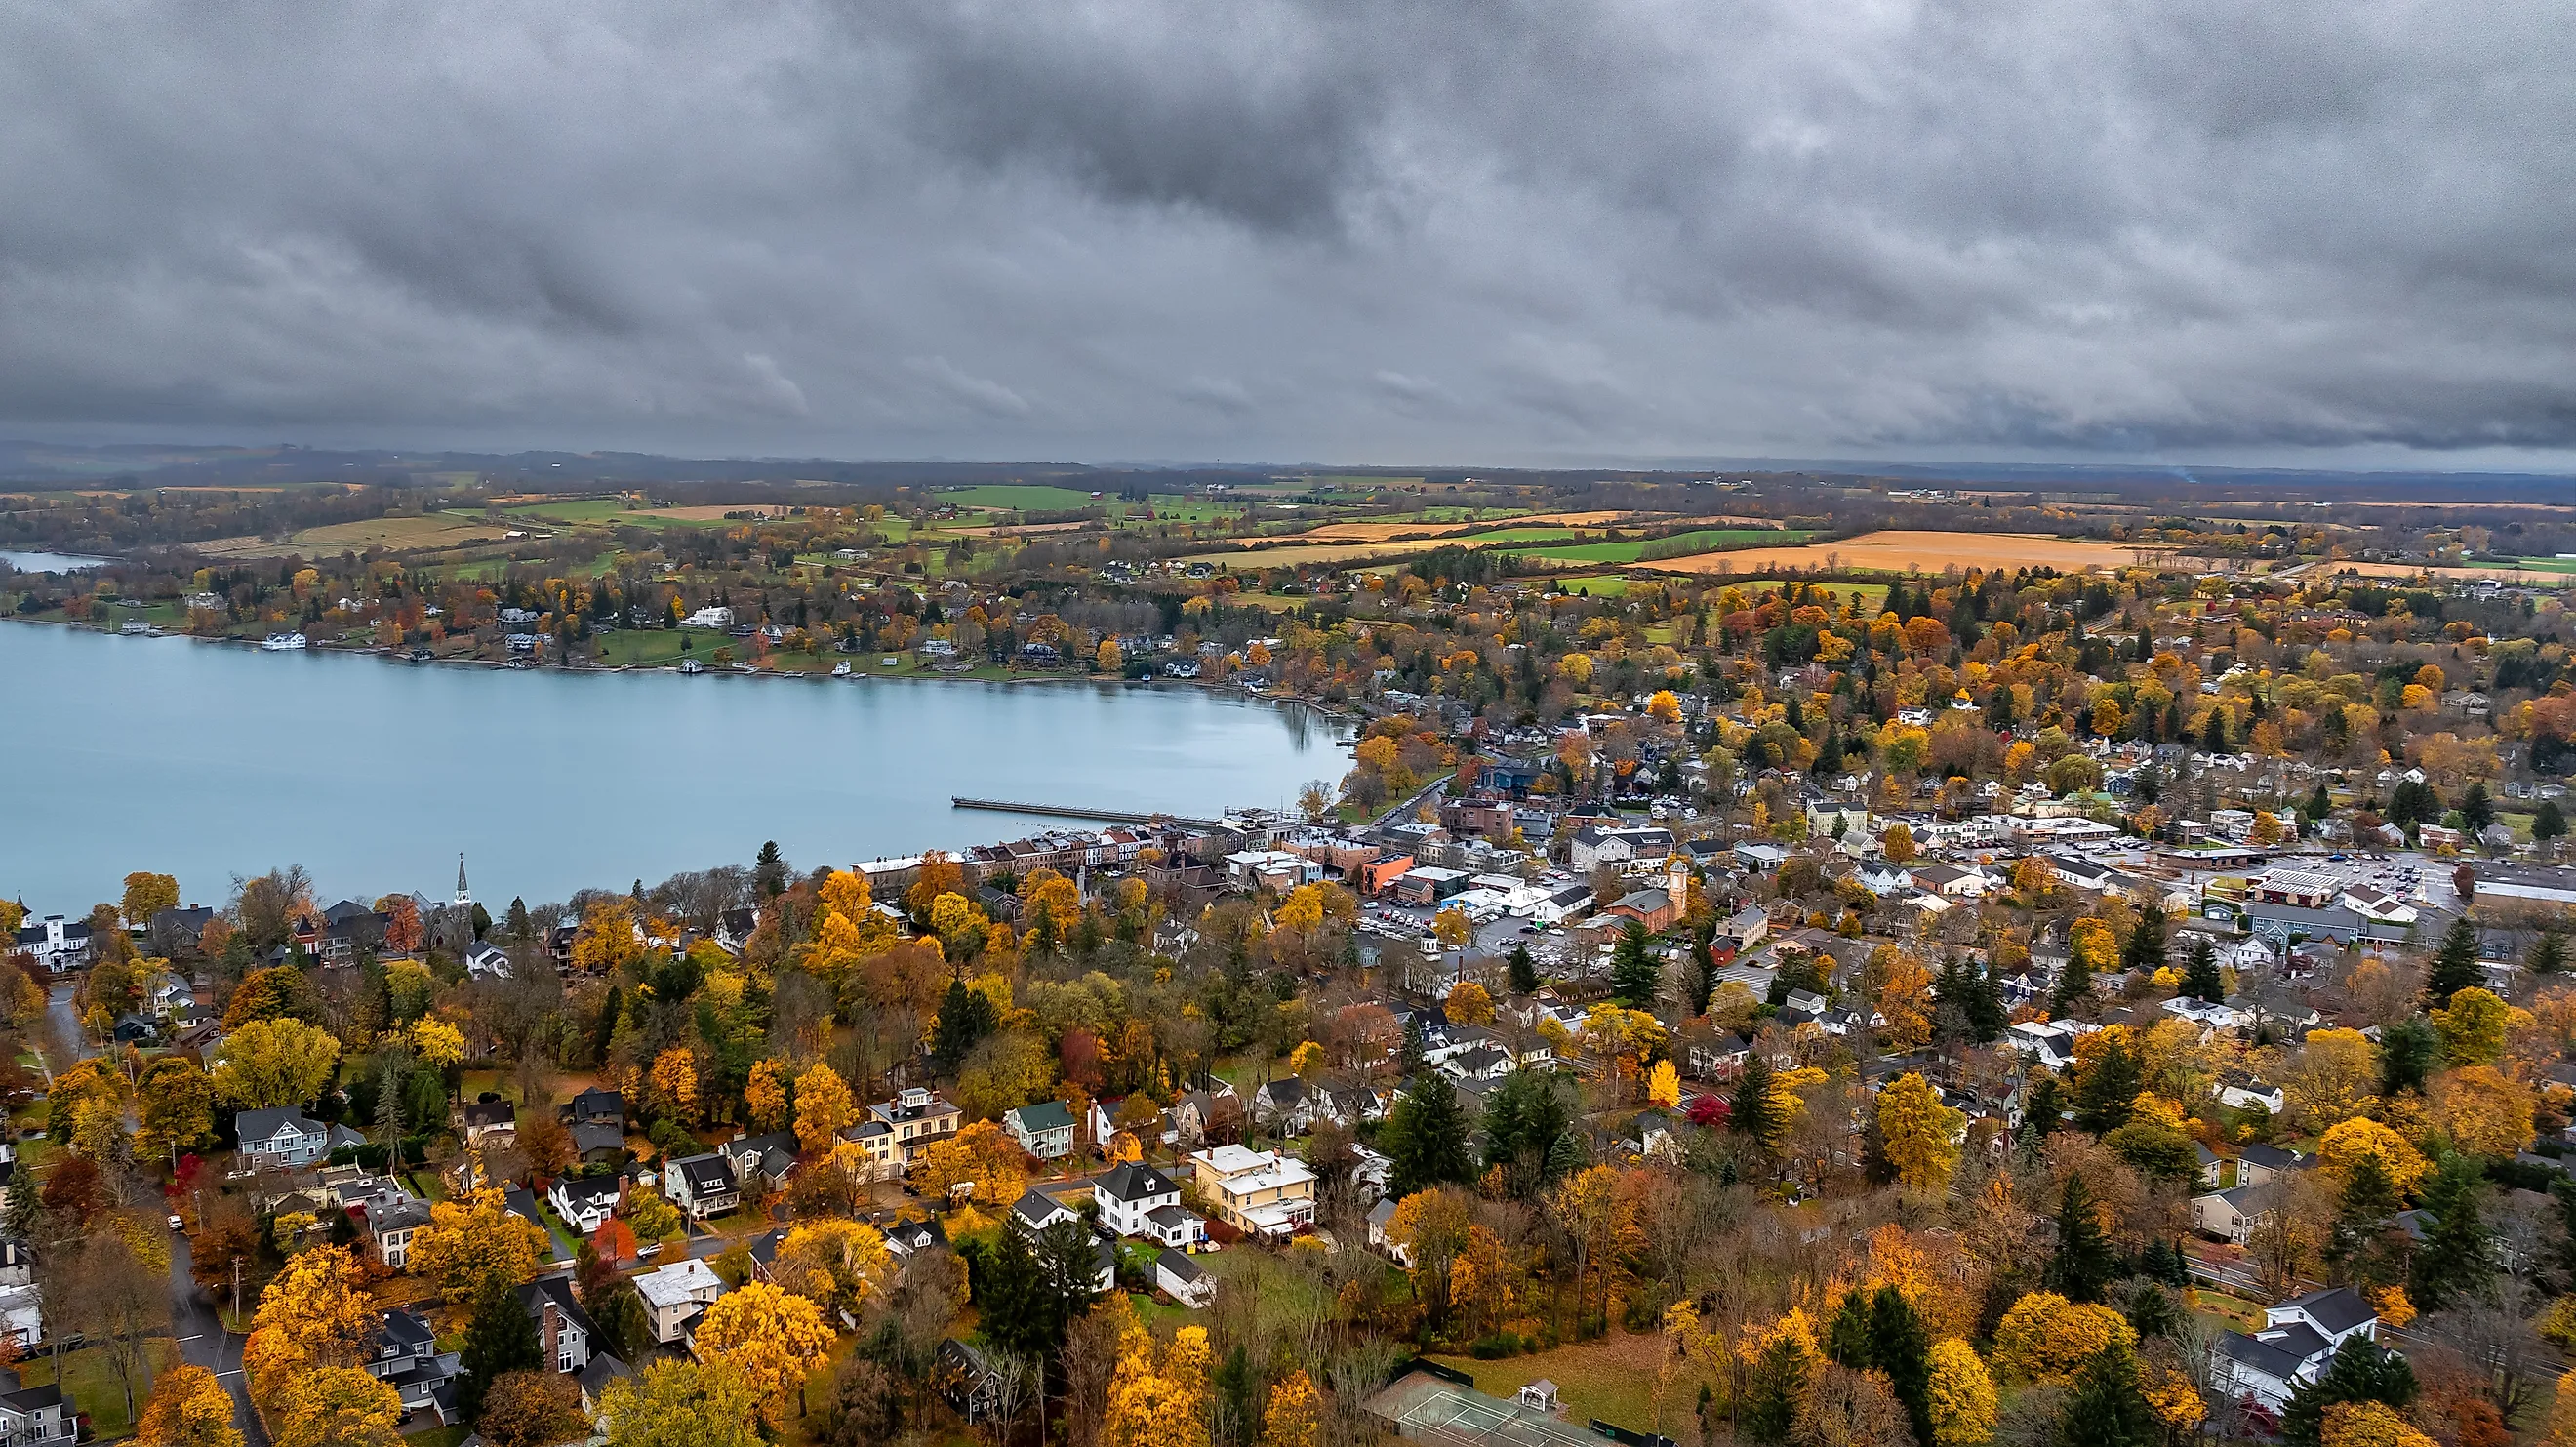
(573, 778)
(729, 671)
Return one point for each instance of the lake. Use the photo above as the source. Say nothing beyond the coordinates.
(48, 562)
(210, 760)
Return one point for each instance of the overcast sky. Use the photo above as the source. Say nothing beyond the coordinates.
(1399, 231)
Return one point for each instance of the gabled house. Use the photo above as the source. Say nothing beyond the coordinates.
(967, 1382)
(1138, 1200)
(675, 1296)
(919, 1120)
(2299, 1338)
(489, 1123)
(33, 1414)
(565, 1337)
(1044, 1130)
(1036, 1211)
(584, 1202)
(1260, 1193)
(702, 1185)
(403, 1354)
(1181, 1279)
(2232, 1215)
(282, 1138)
(762, 1163)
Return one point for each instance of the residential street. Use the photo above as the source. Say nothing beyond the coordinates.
(204, 1342)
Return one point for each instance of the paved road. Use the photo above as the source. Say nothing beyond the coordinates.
(204, 1342)
(58, 1004)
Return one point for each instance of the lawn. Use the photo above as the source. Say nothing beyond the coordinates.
(1612, 1379)
(91, 1383)
(438, 1436)
(1020, 497)
(429, 530)
(1703, 541)
(2547, 565)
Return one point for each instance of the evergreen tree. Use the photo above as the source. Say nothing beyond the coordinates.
(1523, 1123)
(2548, 822)
(1901, 1347)
(2074, 984)
(965, 1018)
(1426, 1137)
(2457, 1259)
(2107, 1408)
(2107, 1092)
(501, 1337)
(2455, 964)
(2477, 808)
(2047, 1108)
(1847, 1335)
(1635, 974)
(2361, 1371)
(522, 930)
(2408, 1051)
(2084, 1262)
(769, 870)
(1408, 1060)
(2362, 1209)
(1700, 982)
(2151, 1310)
(2144, 950)
(1750, 1109)
(1524, 971)
(1985, 1006)
(2548, 953)
(2201, 979)
(1770, 1408)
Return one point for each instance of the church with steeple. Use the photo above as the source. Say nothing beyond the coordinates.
(464, 897)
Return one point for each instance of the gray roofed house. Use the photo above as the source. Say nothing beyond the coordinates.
(702, 1185)
(280, 1137)
(595, 1142)
(1181, 1279)
(2299, 1337)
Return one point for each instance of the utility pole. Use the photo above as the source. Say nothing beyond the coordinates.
(237, 1273)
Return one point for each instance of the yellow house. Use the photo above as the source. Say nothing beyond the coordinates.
(1261, 1193)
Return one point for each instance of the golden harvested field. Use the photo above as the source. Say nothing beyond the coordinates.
(436, 530)
(243, 547)
(1918, 552)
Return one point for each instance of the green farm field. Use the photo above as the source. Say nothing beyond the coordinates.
(1702, 541)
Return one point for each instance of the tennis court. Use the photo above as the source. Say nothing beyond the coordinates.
(1427, 1409)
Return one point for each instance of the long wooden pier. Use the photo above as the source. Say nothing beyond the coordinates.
(1060, 811)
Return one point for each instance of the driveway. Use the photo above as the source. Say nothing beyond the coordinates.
(203, 1342)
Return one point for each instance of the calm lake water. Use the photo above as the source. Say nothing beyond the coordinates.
(48, 562)
(206, 761)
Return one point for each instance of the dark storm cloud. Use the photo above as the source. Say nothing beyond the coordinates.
(1412, 230)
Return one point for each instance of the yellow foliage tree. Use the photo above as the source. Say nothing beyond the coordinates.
(772, 1339)
(1916, 1128)
(474, 1240)
(1306, 1061)
(1664, 1086)
(2175, 1401)
(266, 1064)
(437, 1042)
(2484, 1111)
(607, 941)
(824, 1108)
(1295, 1417)
(1159, 1404)
(834, 1262)
(2474, 1025)
(337, 1407)
(680, 1404)
(980, 1154)
(675, 1083)
(1960, 1396)
(2046, 1338)
(1470, 1004)
(189, 1408)
(319, 1307)
(2343, 1146)
(2372, 1424)
(764, 1094)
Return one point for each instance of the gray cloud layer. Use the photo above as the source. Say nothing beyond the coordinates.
(1405, 229)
